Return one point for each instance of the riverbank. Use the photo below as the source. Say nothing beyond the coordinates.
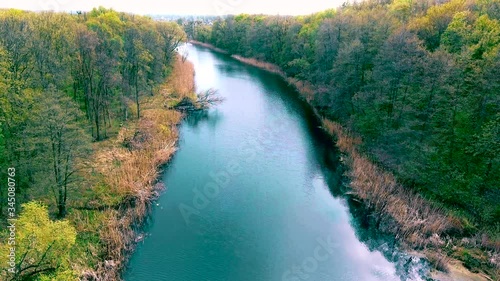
(206, 45)
(126, 168)
(415, 221)
(303, 88)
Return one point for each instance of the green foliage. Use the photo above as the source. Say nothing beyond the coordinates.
(457, 33)
(418, 81)
(401, 8)
(66, 80)
(431, 26)
(2, 146)
(56, 133)
(42, 246)
(489, 7)
(485, 37)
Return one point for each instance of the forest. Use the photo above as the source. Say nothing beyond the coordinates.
(418, 81)
(84, 123)
(70, 83)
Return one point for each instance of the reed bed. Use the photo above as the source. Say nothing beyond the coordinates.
(415, 219)
(130, 165)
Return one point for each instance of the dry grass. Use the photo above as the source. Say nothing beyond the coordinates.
(250, 61)
(130, 164)
(346, 141)
(439, 261)
(181, 81)
(260, 64)
(404, 213)
(412, 218)
(210, 46)
(305, 89)
(416, 221)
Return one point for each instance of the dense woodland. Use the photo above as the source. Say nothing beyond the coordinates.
(68, 82)
(419, 81)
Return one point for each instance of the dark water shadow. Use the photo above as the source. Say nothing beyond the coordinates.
(329, 158)
(211, 117)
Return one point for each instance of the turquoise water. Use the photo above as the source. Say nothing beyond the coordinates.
(249, 194)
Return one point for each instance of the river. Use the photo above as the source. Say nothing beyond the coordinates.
(254, 194)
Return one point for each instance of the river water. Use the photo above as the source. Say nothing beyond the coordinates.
(253, 194)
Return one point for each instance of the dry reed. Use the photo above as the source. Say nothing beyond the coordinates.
(130, 166)
(181, 80)
(407, 215)
(416, 220)
(210, 46)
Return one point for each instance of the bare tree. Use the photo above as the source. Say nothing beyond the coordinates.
(204, 101)
(58, 138)
(208, 98)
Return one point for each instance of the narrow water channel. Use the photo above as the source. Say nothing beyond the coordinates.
(250, 194)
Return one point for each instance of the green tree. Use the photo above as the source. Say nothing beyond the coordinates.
(58, 136)
(457, 34)
(53, 51)
(136, 61)
(416, 79)
(434, 23)
(41, 246)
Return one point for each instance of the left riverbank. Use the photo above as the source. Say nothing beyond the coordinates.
(84, 126)
(110, 195)
(128, 167)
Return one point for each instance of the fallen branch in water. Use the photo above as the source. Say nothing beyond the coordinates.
(204, 101)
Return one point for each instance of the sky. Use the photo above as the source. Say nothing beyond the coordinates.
(181, 7)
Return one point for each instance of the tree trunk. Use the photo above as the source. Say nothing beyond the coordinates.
(137, 98)
(61, 205)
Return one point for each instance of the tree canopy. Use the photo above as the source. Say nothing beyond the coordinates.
(418, 80)
(67, 80)
(41, 246)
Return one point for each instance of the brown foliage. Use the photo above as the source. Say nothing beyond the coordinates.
(181, 81)
(260, 64)
(210, 46)
(305, 89)
(439, 261)
(131, 164)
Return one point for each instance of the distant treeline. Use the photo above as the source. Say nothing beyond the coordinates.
(419, 81)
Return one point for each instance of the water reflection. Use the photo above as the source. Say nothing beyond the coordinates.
(210, 117)
(269, 217)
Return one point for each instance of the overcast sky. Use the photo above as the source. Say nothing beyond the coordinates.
(181, 7)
